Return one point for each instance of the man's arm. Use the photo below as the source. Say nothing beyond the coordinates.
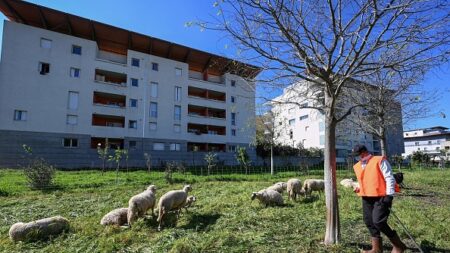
(388, 177)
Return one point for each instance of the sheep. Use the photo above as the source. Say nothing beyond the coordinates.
(39, 229)
(189, 202)
(313, 185)
(172, 201)
(117, 217)
(279, 187)
(268, 197)
(349, 183)
(139, 204)
(293, 188)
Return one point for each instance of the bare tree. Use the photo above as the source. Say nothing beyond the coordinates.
(328, 43)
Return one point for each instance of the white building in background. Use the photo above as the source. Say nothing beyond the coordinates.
(69, 84)
(297, 126)
(430, 140)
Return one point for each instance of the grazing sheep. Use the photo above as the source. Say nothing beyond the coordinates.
(117, 217)
(139, 204)
(313, 185)
(293, 188)
(268, 197)
(279, 187)
(172, 201)
(37, 230)
(349, 183)
(189, 202)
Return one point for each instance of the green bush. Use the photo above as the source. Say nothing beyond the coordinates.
(39, 174)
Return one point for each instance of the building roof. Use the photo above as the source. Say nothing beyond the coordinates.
(61, 22)
(429, 129)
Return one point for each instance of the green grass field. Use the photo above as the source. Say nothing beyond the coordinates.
(222, 220)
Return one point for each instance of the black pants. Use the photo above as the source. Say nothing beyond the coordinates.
(376, 214)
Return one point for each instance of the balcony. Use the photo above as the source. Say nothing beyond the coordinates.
(109, 100)
(109, 77)
(199, 76)
(108, 121)
(205, 147)
(200, 111)
(206, 94)
(101, 142)
(200, 129)
(111, 57)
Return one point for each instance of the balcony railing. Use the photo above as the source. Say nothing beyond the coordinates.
(110, 77)
(110, 100)
(200, 111)
(206, 77)
(206, 94)
(108, 121)
(111, 57)
(200, 129)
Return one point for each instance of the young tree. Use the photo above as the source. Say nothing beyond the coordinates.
(117, 157)
(328, 44)
(148, 161)
(211, 161)
(243, 158)
(103, 153)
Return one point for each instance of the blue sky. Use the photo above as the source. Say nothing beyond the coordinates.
(166, 20)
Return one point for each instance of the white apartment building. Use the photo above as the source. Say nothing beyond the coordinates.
(296, 126)
(70, 84)
(427, 140)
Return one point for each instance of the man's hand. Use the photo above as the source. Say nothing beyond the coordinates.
(387, 200)
(356, 189)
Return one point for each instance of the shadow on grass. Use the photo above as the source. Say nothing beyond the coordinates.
(426, 246)
(200, 222)
(51, 189)
(4, 193)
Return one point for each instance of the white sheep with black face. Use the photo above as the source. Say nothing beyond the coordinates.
(279, 187)
(268, 197)
(172, 201)
(139, 204)
(293, 188)
(116, 217)
(311, 185)
(39, 229)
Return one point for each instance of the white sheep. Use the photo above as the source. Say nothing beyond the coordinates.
(172, 201)
(39, 229)
(268, 197)
(117, 217)
(293, 188)
(349, 183)
(313, 185)
(139, 204)
(279, 187)
(189, 202)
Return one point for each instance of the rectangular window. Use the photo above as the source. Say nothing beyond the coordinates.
(153, 126)
(416, 143)
(233, 99)
(303, 117)
(74, 72)
(73, 100)
(20, 115)
(133, 102)
(132, 124)
(178, 71)
(134, 82)
(154, 90)
(132, 144)
(76, 49)
(177, 93)
(135, 62)
(233, 118)
(231, 148)
(70, 143)
(44, 68)
(176, 128)
(233, 132)
(158, 146)
(304, 105)
(153, 109)
(46, 43)
(292, 122)
(175, 146)
(177, 113)
(72, 120)
(321, 126)
(306, 128)
(322, 139)
(233, 83)
(155, 66)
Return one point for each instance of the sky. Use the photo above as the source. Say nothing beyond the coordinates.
(166, 20)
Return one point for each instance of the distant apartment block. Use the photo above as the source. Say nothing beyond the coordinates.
(69, 85)
(430, 140)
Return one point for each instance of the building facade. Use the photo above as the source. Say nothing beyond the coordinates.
(432, 140)
(66, 91)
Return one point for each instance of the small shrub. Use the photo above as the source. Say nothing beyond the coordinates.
(168, 171)
(39, 174)
(181, 168)
(211, 160)
(148, 161)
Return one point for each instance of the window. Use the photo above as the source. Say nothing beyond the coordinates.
(233, 99)
(70, 143)
(175, 146)
(134, 82)
(304, 105)
(72, 120)
(74, 72)
(292, 122)
(178, 71)
(20, 115)
(132, 124)
(291, 111)
(322, 139)
(233, 132)
(73, 100)
(135, 62)
(132, 144)
(233, 83)
(280, 123)
(176, 128)
(303, 117)
(429, 142)
(231, 148)
(306, 128)
(416, 143)
(177, 113)
(233, 118)
(153, 109)
(46, 43)
(158, 146)
(155, 66)
(291, 134)
(321, 126)
(407, 134)
(44, 68)
(177, 93)
(133, 102)
(154, 89)
(153, 126)
(76, 50)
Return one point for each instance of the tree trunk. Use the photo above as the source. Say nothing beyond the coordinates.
(332, 233)
(383, 145)
(271, 160)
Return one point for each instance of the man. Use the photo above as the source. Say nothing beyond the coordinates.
(377, 188)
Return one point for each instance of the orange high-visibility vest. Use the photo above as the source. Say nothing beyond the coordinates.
(371, 179)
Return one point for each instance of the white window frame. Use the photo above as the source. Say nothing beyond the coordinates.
(40, 68)
(20, 115)
(73, 72)
(72, 119)
(233, 99)
(71, 143)
(178, 71)
(155, 66)
(131, 103)
(135, 60)
(46, 43)
(233, 118)
(153, 126)
(159, 146)
(177, 112)
(177, 94)
(76, 46)
(154, 113)
(132, 124)
(131, 82)
(154, 86)
(73, 104)
(177, 128)
(175, 147)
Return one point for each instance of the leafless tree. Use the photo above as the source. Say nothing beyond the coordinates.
(328, 43)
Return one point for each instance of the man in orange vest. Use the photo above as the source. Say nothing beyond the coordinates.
(377, 188)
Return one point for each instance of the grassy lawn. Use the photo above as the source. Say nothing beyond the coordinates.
(222, 220)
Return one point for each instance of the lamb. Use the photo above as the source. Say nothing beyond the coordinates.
(293, 188)
(313, 185)
(189, 202)
(139, 204)
(172, 201)
(279, 187)
(349, 183)
(39, 229)
(268, 197)
(117, 217)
